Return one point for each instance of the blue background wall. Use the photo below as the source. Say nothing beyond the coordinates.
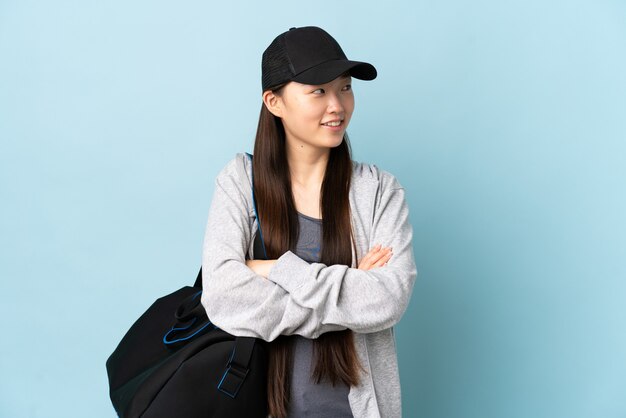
(505, 122)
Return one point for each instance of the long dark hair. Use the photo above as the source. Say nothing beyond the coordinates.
(334, 352)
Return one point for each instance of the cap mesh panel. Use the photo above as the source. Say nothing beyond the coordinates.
(276, 66)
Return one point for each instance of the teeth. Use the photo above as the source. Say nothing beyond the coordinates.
(333, 123)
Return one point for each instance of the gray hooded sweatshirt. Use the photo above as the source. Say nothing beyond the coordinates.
(310, 299)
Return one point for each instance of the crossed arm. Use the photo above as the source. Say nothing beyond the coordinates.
(376, 257)
(268, 298)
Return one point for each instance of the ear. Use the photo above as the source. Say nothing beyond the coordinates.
(273, 103)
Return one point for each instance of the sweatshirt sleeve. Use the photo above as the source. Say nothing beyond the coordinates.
(236, 299)
(364, 301)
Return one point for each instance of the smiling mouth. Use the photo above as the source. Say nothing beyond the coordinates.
(333, 124)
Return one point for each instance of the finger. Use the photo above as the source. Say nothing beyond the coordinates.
(383, 260)
(373, 256)
(375, 248)
(367, 262)
(381, 254)
(369, 256)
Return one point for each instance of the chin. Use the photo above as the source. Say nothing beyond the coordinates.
(333, 144)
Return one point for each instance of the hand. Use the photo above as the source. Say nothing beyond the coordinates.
(261, 267)
(377, 257)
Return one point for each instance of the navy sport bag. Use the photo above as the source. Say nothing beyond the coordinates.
(173, 362)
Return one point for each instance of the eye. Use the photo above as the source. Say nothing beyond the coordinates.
(322, 90)
(348, 87)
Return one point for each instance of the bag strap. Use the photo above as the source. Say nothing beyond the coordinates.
(238, 366)
(259, 242)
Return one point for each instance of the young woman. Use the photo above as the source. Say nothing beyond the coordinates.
(329, 293)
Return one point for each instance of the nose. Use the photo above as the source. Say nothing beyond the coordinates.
(335, 105)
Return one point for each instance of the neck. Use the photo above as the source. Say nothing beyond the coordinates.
(307, 165)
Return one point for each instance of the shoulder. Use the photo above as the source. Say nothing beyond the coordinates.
(233, 165)
(235, 169)
(370, 173)
(234, 179)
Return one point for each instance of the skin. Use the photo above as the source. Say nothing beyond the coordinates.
(303, 108)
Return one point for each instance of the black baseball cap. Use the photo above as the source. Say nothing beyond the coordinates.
(308, 55)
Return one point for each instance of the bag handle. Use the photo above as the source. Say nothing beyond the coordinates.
(191, 320)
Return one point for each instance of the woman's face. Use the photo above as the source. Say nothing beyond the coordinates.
(306, 111)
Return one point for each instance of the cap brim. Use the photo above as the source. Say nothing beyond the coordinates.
(329, 70)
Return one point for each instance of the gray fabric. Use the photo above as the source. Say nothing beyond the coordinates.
(308, 399)
(310, 299)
